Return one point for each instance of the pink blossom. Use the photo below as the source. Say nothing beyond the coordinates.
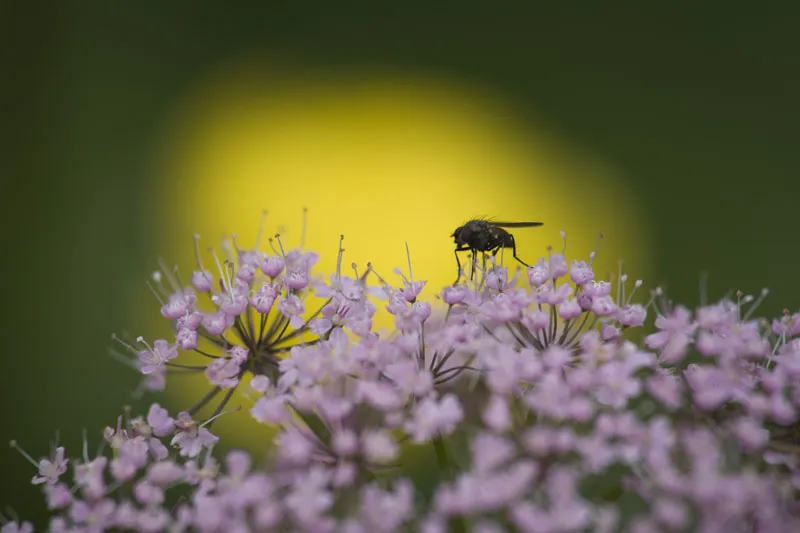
(378, 446)
(433, 417)
(178, 305)
(152, 359)
(191, 438)
(292, 307)
(186, 339)
(51, 469)
(272, 266)
(202, 280)
(160, 421)
(263, 299)
(580, 272)
(453, 295)
(225, 372)
(539, 273)
(217, 323)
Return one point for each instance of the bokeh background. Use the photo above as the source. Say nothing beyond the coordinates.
(126, 128)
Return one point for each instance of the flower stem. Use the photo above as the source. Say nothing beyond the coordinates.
(456, 523)
(441, 456)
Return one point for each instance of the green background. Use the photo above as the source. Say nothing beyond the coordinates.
(696, 103)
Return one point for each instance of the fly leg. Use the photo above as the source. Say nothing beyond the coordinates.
(514, 251)
(458, 262)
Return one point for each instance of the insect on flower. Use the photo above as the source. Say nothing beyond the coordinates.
(486, 236)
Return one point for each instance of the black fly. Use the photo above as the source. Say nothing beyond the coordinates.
(486, 236)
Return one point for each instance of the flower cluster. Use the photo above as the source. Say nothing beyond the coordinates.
(540, 414)
(244, 319)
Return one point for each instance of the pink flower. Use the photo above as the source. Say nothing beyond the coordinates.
(263, 299)
(153, 359)
(225, 372)
(158, 418)
(202, 280)
(292, 307)
(217, 323)
(452, 295)
(191, 437)
(539, 273)
(178, 305)
(186, 339)
(379, 447)
(580, 272)
(433, 417)
(51, 469)
(272, 266)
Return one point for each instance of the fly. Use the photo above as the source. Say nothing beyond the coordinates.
(486, 236)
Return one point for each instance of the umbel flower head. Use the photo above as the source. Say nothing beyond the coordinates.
(246, 315)
(540, 415)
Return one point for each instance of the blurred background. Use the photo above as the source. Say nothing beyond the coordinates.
(126, 129)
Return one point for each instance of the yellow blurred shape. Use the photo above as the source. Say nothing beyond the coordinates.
(383, 159)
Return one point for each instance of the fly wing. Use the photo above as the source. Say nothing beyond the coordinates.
(516, 224)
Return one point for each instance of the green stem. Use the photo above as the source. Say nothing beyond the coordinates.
(457, 524)
(441, 455)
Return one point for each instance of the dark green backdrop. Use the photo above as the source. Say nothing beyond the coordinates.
(697, 104)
